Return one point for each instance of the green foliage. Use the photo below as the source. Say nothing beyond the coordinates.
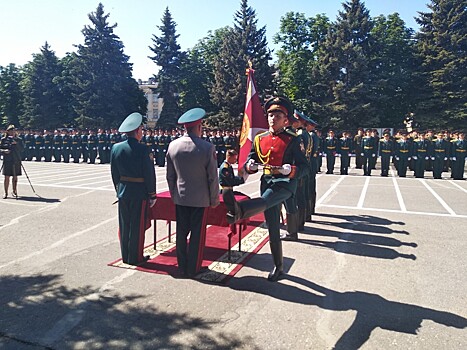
(242, 45)
(43, 102)
(10, 94)
(101, 78)
(168, 57)
(442, 50)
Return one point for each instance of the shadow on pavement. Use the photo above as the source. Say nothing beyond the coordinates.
(38, 199)
(39, 311)
(373, 311)
(366, 223)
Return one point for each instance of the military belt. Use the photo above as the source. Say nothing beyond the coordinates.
(330, 147)
(386, 150)
(368, 147)
(227, 187)
(439, 150)
(101, 141)
(75, 143)
(131, 179)
(47, 141)
(403, 151)
(421, 150)
(461, 150)
(38, 142)
(345, 148)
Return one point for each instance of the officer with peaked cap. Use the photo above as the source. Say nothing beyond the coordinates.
(314, 166)
(134, 179)
(194, 186)
(283, 163)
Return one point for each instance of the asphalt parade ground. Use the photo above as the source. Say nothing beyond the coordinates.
(383, 265)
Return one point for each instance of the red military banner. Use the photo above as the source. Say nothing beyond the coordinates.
(254, 120)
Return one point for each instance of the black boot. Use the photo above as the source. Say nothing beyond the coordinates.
(244, 209)
(276, 251)
(292, 228)
(301, 220)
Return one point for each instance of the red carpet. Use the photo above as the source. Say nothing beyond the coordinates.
(163, 260)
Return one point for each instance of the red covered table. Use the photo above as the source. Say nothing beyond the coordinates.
(164, 209)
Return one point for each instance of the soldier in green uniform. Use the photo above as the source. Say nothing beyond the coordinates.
(57, 146)
(135, 184)
(369, 151)
(92, 146)
(230, 141)
(162, 145)
(227, 177)
(421, 153)
(48, 146)
(330, 151)
(278, 150)
(441, 149)
(458, 154)
(84, 145)
(345, 146)
(102, 145)
(38, 146)
(385, 151)
(403, 151)
(28, 145)
(358, 150)
(314, 166)
(66, 146)
(75, 145)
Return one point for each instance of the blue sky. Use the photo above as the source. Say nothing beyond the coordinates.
(25, 25)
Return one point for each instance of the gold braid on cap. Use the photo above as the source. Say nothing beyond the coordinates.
(264, 158)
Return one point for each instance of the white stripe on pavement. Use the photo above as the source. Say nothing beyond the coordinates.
(330, 190)
(440, 200)
(363, 194)
(460, 187)
(400, 199)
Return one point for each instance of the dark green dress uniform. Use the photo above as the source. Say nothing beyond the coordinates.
(66, 147)
(273, 150)
(48, 147)
(220, 149)
(92, 148)
(134, 177)
(421, 153)
(162, 145)
(102, 142)
(227, 177)
(345, 146)
(38, 147)
(28, 146)
(403, 151)
(369, 151)
(386, 151)
(441, 153)
(76, 147)
(230, 142)
(314, 167)
(458, 154)
(330, 145)
(57, 148)
(357, 142)
(84, 146)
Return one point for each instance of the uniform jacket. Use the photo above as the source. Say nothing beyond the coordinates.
(227, 176)
(192, 172)
(386, 148)
(131, 159)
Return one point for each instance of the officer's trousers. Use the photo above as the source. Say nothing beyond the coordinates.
(131, 220)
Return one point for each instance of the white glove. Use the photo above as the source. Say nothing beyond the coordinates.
(251, 165)
(362, 154)
(324, 155)
(432, 158)
(454, 158)
(152, 202)
(397, 158)
(415, 157)
(286, 169)
(373, 155)
(445, 158)
(426, 158)
(410, 158)
(338, 154)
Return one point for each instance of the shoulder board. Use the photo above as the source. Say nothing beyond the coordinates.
(264, 133)
(291, 132)
(453, 140)
(226, 165)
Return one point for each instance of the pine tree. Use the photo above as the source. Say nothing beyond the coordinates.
(344, 69)
(43, 101)
(442, 49)
(392, 69)
(168, 57)
(10, 94)
(102, 81)
(243, 44)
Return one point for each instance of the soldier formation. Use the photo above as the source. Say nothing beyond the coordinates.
(89, 146)
(418, 151)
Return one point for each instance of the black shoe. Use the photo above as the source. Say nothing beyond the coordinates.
(275, 274)
(289, 237)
